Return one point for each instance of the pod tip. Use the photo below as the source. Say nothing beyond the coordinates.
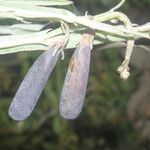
(15, 115)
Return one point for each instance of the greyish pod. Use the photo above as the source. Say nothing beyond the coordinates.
(74, 88)
(32, 85)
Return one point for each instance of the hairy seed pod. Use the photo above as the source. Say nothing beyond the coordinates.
(32, 85)
(74, 88)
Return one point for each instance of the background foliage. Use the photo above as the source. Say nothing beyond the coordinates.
(103, 124)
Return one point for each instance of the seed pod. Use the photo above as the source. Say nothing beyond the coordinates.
(32, 85)
(74, 88)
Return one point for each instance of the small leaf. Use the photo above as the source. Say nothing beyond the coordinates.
(41, 2)
(16, 40)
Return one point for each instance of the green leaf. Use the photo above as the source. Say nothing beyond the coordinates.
(42, 2)
(20, 29)
(16, 40)
(30, 11)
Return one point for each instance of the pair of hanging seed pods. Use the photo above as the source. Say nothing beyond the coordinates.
(74, 88)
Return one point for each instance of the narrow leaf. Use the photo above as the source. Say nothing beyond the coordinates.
(42, 2)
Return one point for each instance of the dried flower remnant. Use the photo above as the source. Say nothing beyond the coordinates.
(124, 68)
(74, 88)
(32, 85)
(124, 72)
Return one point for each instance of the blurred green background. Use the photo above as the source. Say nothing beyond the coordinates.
(104, 123)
